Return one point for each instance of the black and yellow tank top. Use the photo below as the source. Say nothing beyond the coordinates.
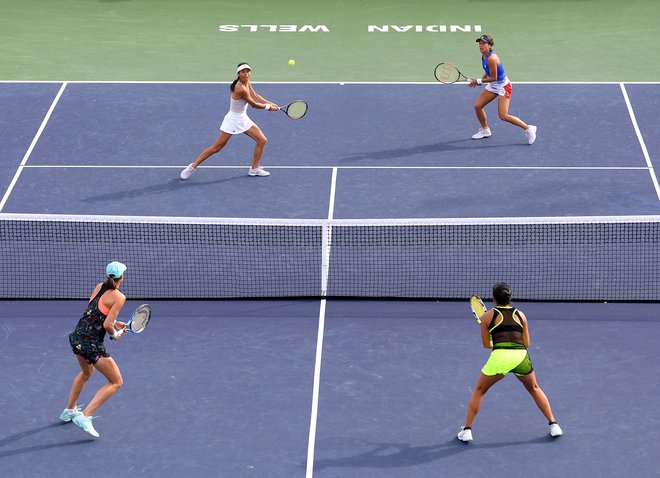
(506, 328)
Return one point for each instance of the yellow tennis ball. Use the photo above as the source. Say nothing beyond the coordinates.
(292, 62)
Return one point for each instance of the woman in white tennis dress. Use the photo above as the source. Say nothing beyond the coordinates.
(236, 121)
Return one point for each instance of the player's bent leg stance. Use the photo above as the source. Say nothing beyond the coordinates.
(529, 381)
(484, 382)
(503, 111)
(109, 369)
(483, 99)
(260, 139)
(216, 147)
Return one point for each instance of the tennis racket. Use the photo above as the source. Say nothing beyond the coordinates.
(138, 320)
(449, 74)
(295, 109)
(478, 308)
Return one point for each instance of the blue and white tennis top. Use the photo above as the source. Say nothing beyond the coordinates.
(501, 76)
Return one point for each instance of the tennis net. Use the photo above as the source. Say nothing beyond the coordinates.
(577, 258)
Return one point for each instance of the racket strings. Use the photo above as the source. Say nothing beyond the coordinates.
(447, 73)
(140, 319)
(478, 307)
(297, 109)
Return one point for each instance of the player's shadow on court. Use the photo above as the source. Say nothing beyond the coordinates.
(393, 455)
(28, 449)
(446, 147)
(170, 186)
(398, 455)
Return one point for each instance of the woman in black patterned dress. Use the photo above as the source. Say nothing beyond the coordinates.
(87, 344)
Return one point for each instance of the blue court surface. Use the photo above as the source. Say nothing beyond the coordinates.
(336, 388)
(123, 146)
(225, 389)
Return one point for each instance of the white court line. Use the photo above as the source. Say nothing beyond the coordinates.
(654, 179)
(315, 392)
(335, 82)
(327, 231)
(146, 166)
(333, 190)
(32, 145)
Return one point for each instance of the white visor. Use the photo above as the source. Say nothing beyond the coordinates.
(243, 66)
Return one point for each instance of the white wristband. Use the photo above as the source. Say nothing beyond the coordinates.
(479, 81)
(266, 106)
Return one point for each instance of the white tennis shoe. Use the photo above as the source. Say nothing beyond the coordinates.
(186, 173)
(465, 435)
(85, 423)
(68, 414)
(258, 172)
(482, 133)
(555, 430)
(531, 134)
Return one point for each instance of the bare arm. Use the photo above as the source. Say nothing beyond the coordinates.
(486, 319)
(493, 61)
(260, 102)
(525, 329)
(118, 303)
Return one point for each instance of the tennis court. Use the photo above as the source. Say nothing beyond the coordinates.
(315, 322)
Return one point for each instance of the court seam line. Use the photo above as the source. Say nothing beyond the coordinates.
(128, 166)
(640, 138)
(27, 154)
(327, 232)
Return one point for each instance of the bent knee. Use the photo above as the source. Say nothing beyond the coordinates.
(531, 387)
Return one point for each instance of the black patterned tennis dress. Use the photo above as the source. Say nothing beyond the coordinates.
(87, 339)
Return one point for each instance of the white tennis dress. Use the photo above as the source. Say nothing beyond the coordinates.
(237, 120)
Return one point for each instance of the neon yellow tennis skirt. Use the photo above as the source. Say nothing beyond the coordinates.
(503, 361)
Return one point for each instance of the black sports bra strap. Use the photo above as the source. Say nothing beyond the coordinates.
(104, 288)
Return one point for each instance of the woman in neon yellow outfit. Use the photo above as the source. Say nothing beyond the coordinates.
(504, 329)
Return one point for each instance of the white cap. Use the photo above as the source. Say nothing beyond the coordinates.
(243, 66)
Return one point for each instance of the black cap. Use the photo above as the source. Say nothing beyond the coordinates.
(486, 39)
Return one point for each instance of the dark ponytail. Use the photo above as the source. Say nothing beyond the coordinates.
(111, 283)
(502, 293)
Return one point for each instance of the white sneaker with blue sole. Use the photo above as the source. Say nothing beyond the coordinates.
(85, 423)
(68, 413)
